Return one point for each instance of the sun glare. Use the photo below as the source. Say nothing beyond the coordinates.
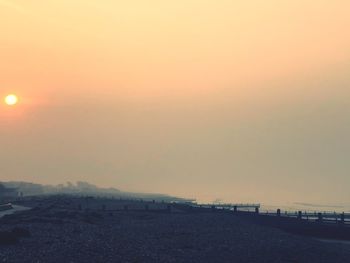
(11, 99)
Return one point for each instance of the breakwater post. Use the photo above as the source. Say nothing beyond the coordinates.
(300, 215)
(342, 218)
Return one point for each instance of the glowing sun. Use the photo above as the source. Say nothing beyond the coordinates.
(11, 99)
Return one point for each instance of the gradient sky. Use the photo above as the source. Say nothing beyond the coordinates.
(239, 100)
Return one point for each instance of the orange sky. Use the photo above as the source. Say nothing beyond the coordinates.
(186, 97)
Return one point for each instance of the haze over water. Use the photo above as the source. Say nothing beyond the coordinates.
(244, 101)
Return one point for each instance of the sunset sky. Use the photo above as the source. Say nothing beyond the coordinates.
(245, 101)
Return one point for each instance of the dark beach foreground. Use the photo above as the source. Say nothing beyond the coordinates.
(75, 229)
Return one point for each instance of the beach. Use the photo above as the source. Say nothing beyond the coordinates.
(62, 231)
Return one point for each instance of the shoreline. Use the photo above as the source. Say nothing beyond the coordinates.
(71, 229)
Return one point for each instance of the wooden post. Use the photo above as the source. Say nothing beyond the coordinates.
(342, 218)
(257, 210)
(300, 215)
(279, 212)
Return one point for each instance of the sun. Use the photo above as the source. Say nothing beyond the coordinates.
(11, 99)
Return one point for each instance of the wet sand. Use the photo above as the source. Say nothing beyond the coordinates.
(15, 209)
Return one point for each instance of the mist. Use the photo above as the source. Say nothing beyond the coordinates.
(236, 102)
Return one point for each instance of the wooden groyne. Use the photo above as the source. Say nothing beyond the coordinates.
(319, 217)
(254, 209)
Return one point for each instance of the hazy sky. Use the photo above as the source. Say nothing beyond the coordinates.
(232, 99)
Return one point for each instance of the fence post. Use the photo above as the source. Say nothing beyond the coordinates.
(279, 212)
